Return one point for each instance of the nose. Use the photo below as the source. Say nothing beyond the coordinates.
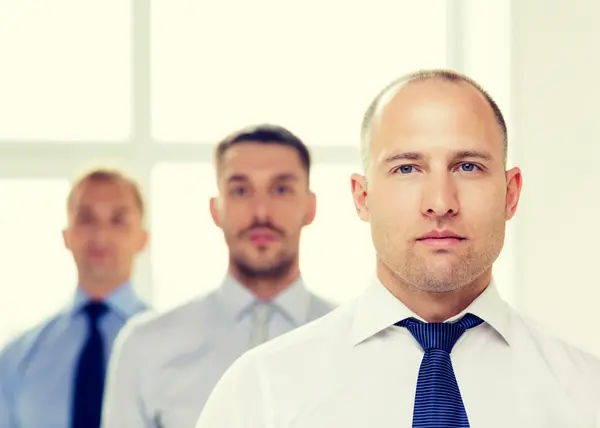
(260, 207)
(101, 233)
(440, 198)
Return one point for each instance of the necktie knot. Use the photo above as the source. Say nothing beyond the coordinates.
(439, 335)
(94, 311)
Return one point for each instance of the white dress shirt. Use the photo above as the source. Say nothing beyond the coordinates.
(164, 366)
(354, 368)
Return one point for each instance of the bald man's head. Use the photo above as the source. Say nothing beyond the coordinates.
(434, 147)
(373, 113)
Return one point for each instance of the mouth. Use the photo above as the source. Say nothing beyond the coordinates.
(261, 237)
(98, 254)
(441, 239)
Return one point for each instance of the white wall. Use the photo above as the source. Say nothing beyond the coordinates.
(555, 95)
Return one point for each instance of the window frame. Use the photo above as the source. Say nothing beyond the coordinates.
(140, 152)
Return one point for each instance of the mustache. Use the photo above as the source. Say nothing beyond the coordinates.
(262, 225)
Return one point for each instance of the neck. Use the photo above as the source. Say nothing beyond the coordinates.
(98, 289)
(266, 288)
(432, 306)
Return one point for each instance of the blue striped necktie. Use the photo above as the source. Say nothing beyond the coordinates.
(438, 403)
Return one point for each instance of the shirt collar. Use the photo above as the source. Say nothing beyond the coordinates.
(123, 301)
(377, 309)
(293, 302)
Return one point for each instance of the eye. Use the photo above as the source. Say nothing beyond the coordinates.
(118, 220)
(405, 169)
(469, 167)
(282, 190)
(85, 218)
(238, 191)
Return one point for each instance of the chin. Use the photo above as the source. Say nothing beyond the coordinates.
(258, 259)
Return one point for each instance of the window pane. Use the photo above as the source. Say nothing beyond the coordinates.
(65, 69)
(190, 256)
(312, 65)
(37, 274)
(337, 254)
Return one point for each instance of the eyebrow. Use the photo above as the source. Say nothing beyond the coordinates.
(461, 154)
(473, 154)
(279, 177)
(414, 156)
(236, 178)
(87, 208)
(286, 177)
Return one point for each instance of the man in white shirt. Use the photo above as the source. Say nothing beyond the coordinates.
(164, 366)
(430, 343)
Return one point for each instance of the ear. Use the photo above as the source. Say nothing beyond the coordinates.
(143, 241)
(514, 183)
(65, 235)
(359, 194)
(311, 212)
(214, 211)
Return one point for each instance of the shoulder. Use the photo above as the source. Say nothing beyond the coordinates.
(321, 304)
(556, 347)
(146, 328)
(318, 306)
(574, 368)
(21, 346)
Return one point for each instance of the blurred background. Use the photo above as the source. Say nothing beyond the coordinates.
(150, 85)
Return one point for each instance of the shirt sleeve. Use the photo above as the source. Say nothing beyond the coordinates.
(238, 399)
(124, 403)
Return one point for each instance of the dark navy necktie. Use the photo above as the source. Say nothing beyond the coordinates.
(438, 403)
(89, 374)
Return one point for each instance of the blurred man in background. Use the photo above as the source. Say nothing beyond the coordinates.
(430, 343)
(53, 375)
(165, 366)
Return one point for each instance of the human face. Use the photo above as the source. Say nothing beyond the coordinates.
(264, 202)
(437, 195)
(105, 231)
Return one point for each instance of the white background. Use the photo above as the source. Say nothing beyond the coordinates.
(152, 89)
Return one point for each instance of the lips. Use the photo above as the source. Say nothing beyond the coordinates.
(441, 234)
(262, 236)
(441, 238)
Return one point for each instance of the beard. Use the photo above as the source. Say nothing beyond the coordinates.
(442, 271)
(276, 269)
(440, 276)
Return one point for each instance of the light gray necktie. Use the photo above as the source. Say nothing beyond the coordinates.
(261, 313)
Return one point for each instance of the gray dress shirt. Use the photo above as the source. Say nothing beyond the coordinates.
(164, 366)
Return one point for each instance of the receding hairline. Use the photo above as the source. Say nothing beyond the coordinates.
(107, 175)
(389, 91)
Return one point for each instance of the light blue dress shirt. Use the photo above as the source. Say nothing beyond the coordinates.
(37, 369)
(164, 366)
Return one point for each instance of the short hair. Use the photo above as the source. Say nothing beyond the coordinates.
(437, 74)
(108, 175)
(265, 134)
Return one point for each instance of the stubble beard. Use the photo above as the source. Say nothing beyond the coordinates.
(438, 276)
(446, 271)
(279, 267)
